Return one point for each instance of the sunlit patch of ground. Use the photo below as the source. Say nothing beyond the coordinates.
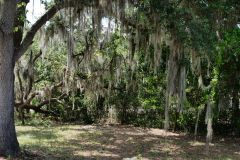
(117, 142)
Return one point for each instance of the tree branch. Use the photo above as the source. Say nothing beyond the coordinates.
(38, 108)
(28, 40)
(37, 56)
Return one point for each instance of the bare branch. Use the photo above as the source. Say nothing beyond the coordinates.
(37, 56)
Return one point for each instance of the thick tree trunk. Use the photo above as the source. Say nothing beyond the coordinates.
(8, 139)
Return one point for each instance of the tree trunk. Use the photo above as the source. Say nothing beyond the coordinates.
(235, 112)
(8, 140)
(166, 113)
(208, 122)
(196, 124)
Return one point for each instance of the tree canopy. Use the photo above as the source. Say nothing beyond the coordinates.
(172, 64)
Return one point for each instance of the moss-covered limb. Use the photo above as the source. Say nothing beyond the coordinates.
(27, 41)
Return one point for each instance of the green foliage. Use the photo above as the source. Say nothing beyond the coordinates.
(124, 76)
(229, 51)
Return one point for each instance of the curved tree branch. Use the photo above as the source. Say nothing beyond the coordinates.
(28, 40)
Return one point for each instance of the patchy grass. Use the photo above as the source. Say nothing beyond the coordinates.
(117, 142)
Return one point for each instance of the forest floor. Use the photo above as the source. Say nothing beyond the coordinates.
(76, 142)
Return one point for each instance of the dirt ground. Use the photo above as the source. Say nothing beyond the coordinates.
(118, 142)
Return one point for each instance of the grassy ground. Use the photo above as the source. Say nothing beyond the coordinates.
(117, 142)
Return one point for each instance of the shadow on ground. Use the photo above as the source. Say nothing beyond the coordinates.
(118, 142)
